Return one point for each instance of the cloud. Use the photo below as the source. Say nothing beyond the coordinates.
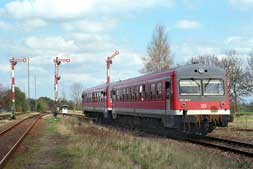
(188, 24)
(4, 26)
(242, 4)
(66, 9)
(56, 43)
(241, 44)
(89, 26)
(31, 24)
(5, 68)
(240, 40)
(48, 9)
(86, 79)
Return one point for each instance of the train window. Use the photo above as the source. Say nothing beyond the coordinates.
(121, 95)
(159, 91)
(143, 93)
(129, 94)
(99, 96)
(137, 93)
(133, 93)
(190, 87)
(147, 92)
(213, 87)
(152, 87)
(153, 92)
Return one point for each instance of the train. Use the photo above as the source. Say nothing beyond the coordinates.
(191, 98)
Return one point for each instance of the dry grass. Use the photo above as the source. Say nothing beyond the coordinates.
(242, 122)
(237, 130)
(92, 146)
(67, 143)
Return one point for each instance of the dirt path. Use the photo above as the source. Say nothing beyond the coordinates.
(40, 149)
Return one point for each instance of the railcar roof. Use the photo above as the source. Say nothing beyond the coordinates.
(183, 69)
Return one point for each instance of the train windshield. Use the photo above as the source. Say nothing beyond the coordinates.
(213, 87)
(190, 87)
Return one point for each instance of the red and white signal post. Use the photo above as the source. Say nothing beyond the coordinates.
(13, 62)
(57, 77)
(108, 63)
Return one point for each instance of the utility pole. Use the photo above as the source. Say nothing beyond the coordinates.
(35, 94)
(13, 62)
(28, 81)
(108, 65)
(57, 77)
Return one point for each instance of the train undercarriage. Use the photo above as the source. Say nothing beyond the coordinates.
(189, 124)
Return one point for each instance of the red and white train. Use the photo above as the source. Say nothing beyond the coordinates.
(192, 98)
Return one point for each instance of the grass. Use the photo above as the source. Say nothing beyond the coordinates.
(243, 122)
(91, 146)
(66, 143)
(245, 113)
(237, 130)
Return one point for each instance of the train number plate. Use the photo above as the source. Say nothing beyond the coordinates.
(203, 106)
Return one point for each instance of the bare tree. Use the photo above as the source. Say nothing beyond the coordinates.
(233, 66)
(76, 90)
(212, 60)
(159, 53)
(250, 72)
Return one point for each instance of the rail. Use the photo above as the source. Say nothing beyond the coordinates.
(12, 148)
(224, 144)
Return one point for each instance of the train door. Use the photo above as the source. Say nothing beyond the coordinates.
(115, 94)
(168, 94)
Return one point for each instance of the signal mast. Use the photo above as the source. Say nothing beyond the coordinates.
(108, 63)
(13, 62)
(57, 77)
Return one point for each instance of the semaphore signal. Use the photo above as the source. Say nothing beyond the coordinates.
(108, 65)
(13, 62)
(57, 77)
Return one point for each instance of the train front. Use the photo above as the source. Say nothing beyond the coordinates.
(202, 98)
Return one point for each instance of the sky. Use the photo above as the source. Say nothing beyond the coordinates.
(87, 31)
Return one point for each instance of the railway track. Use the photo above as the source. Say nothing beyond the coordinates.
(223, 144)
(11, 137)
(7, 115)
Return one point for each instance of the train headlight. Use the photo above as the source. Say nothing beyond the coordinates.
(201, 70)
(222, 104)
(183, 105)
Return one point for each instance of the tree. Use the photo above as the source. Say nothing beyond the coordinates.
(76, 90)
(250, 72)
(236, 74)
(44, 104)
(159, 53)
(3, 93)
(20, 100)
(212, 60)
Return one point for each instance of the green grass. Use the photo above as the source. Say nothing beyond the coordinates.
(51, 129)
(243, 122)
(245, 113)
